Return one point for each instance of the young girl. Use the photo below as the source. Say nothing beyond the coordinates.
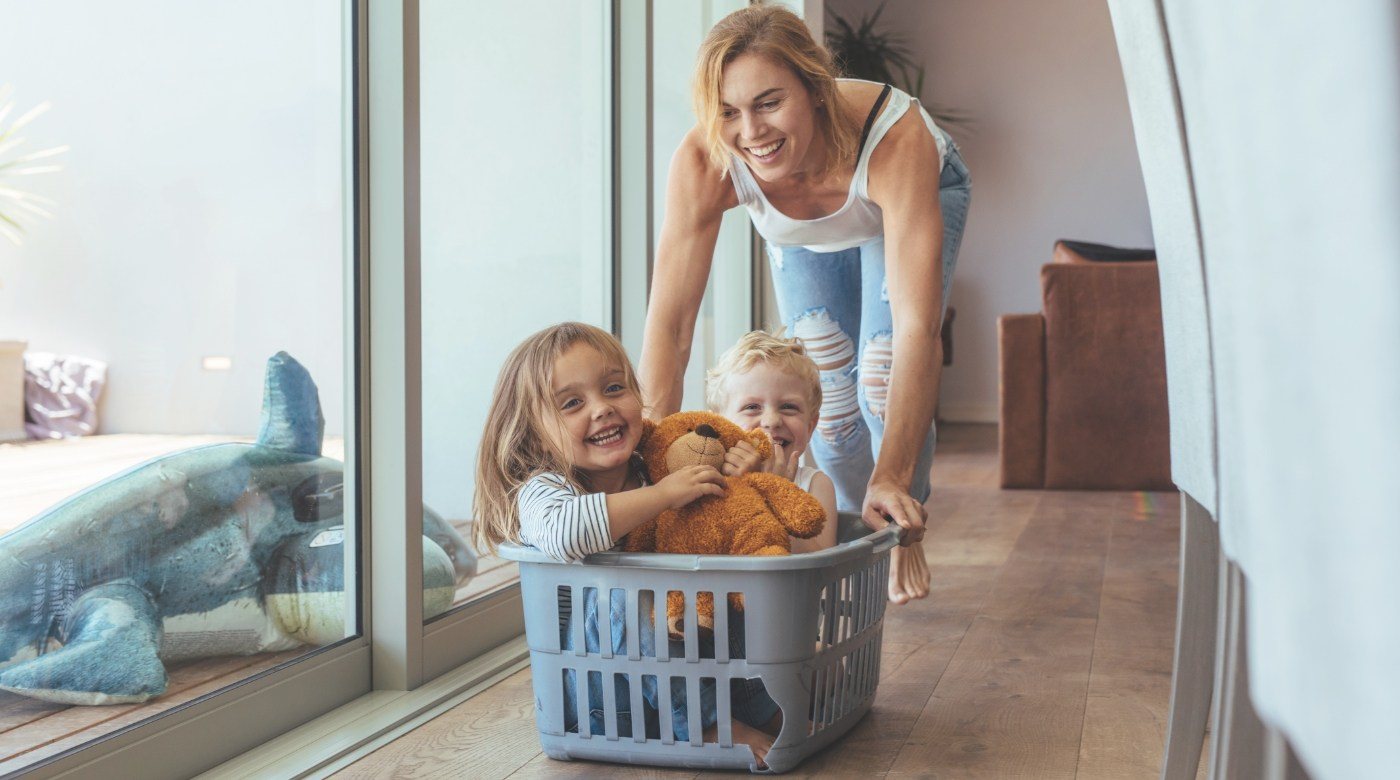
(558, 470)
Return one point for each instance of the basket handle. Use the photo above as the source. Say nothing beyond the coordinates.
(891, 535)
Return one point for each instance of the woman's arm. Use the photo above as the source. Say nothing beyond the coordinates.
(904, 173)
(696, 199)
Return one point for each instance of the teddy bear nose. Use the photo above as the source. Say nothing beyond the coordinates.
(707, 431)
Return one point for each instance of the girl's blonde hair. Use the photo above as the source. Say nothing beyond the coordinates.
(763, 348)
(521, 438)
(778, 34)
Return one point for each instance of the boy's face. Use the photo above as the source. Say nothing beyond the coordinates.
(773, 400)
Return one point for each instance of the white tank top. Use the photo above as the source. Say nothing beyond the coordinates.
(857, 221)
(803, 478)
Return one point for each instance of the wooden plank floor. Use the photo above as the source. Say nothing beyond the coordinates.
(1044, 650)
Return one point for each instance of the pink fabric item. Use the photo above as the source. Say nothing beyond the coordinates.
(61, 394)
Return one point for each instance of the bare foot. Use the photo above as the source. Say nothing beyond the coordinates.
(909, 576)
(760, 742)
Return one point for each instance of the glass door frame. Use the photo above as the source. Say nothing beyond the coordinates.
(394, 649)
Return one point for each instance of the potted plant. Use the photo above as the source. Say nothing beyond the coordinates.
(16, 205)
(865, 51)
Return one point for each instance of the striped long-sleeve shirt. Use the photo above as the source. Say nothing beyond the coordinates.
(560, 521)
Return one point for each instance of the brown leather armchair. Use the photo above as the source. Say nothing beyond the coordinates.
(1083, 384)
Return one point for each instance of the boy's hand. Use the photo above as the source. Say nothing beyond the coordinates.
(690, 483)
(741, 459)
(782, 463)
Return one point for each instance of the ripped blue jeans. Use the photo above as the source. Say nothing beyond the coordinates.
(749, 701)
(838, 304)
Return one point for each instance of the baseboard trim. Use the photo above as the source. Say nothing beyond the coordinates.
(969, 413)
(345, 735)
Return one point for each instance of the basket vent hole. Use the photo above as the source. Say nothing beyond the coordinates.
(564, 598)
(646, 621)
(567, 680)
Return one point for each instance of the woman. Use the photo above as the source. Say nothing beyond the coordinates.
(862, 203)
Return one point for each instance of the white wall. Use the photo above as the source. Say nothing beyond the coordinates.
(515, 161)
(1051, 153)
(200, 209)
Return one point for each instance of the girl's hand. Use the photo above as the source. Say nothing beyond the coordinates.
(690, 483)
(741, 459)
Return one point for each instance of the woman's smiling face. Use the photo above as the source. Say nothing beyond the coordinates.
(768, 117)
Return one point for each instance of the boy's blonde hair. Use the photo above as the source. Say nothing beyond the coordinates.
(778, 34)
(770, 349)
(521, 438)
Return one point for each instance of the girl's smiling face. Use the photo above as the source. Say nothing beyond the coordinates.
(774, 400)
(768, 117)
(600, 418)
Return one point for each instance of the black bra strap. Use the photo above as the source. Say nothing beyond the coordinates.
(870, 120)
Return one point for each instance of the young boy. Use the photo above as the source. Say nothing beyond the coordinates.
(769, 382)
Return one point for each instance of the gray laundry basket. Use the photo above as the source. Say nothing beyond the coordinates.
(813, 630)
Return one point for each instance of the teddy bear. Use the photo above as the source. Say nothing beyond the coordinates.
(754, 517)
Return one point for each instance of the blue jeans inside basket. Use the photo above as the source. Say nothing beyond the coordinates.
(750, 702)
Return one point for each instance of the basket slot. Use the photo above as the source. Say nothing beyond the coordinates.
(663, 709)
(879, 636)
(605, 639)
(563, 601)
(639, 709)
(872, 668)
(585, 729)
(634, 637)
(848, 607)
(839, 689)
(849, 691)
(659, 621)
(692, 628)
(832, 693)
(818, 702)
(861, 598)
(829, 616)
(722, 629)
(646, 618)
(610, 728)
(833, 687)
(693, 717)
(875, 598)
(854, 672)
(723, 707)
(577, 602)
(566, 676)
(867, 665)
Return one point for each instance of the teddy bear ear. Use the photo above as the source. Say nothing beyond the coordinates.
(760, 442)
(648, 428)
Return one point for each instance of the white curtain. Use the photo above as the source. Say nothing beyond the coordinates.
(1292, 117)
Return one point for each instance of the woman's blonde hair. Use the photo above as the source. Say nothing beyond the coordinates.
(778, 34)
(521, 437)
(763, 348)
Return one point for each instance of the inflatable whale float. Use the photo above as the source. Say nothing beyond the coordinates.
(225, 549)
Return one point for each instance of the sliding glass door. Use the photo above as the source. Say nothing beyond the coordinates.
(179, 260)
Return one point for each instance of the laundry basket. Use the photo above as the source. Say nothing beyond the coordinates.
(813, 630)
